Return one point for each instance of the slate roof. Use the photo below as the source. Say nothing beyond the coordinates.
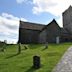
(29, 25)
(64, 31)
(53, 21)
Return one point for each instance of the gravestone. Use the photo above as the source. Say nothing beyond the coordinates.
(36, 62)
(2, 46)
(5, 44)
(19, 48)
(46, 45)
(25, 47)
(57, 40)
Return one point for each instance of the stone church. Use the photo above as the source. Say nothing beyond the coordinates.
(51, 33)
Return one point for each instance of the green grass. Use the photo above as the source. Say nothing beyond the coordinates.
(11, 62)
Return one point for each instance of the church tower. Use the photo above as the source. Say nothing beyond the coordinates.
(67, 19)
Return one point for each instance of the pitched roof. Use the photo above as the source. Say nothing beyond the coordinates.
(53, 21)
(33, 26)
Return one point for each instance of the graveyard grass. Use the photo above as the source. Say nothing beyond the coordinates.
(10, 61)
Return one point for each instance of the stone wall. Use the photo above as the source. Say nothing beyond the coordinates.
(28, 36)
(53, 31)
(67, 19)
(50, 33)
(42, 37)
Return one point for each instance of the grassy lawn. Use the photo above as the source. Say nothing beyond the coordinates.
(11, 62)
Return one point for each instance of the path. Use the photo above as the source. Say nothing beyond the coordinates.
(65, 64)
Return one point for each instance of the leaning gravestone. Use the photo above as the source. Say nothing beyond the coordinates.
(25, 47)
(2, 46)
(46, 45)
(19, 48)
(36, 62)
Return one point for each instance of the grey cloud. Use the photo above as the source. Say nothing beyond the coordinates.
(12, 27)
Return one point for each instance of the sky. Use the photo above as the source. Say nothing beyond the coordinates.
(35, 11)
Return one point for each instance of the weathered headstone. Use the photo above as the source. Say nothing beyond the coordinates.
(46, 45)
(19, 48)
(25, 47)
(3, 46)
(57, 40)
(36, 62)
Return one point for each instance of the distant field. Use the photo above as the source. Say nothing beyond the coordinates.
(11, 62)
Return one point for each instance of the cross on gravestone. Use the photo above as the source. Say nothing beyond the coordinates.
(36, 62)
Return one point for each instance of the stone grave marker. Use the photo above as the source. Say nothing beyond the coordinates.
(25, 47)
(36, 62)
(19, 48)
(2, 46)
(46, 45)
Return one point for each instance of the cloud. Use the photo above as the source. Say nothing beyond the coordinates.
(55, 7)
(9, 16)
(59, 20)
(9, 26)
(24, 1)
(20, 1)
(23, 19)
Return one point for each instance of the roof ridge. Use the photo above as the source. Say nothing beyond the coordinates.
(32, 23)
(33, 26)
(50, 24)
